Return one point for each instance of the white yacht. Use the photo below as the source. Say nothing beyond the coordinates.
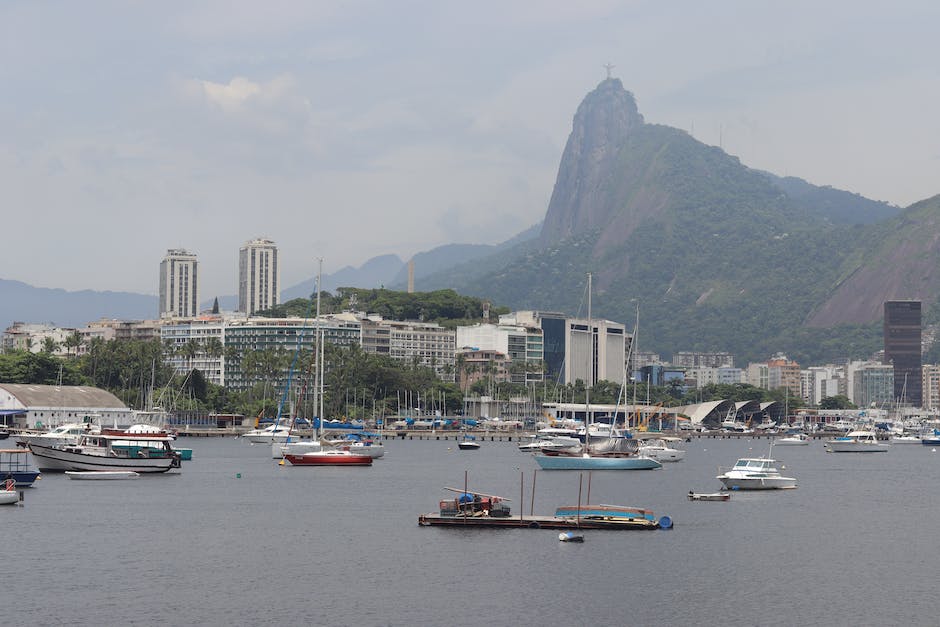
(857, 442)
(271, 433)
(660, 450)
(797, 439)
(755, 473)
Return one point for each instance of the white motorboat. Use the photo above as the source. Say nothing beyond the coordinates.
(755, 473)
(468, 443)
(905, 439)
(63, 434)
(150, 453)
(712, 496)
(271, 433)
(101, 475)
(660, 450)
(797, 439)
(857, 442)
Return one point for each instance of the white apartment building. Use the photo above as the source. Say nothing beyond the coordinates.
(196, 344)
(819, 382)
(595, 350)
(35, 337)
(259, 276)
(179, 285)
(710, 376)
(427, 343)
(931, 386)
(520, 344)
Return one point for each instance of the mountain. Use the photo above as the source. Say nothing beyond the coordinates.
(717, 256)
(22, 302)
(898, 260)
(449, 256)
(839, 206)
(375, 272)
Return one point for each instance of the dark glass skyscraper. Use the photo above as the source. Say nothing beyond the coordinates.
(902, 327)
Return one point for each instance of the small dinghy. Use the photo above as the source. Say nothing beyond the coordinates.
(714, 496)
(8, 493)
(570, 536)
(99, 475)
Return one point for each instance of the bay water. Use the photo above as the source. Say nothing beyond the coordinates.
(238, 539)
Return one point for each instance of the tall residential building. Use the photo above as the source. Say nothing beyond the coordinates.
(902, 329)
(179, 285)
(931, 387)
(783, 373)
(259, 276)
(699, 359)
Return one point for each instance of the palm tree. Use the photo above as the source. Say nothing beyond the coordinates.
(73, 340)
(49, 345)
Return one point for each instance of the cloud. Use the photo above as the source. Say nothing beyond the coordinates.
(232, 96)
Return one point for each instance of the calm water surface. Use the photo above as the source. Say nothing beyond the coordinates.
(853, 545)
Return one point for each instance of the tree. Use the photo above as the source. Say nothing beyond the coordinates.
(73, 340)
(840, 401)
(49, 345)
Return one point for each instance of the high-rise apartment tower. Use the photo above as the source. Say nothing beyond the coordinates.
(179, 285)
(259, 276)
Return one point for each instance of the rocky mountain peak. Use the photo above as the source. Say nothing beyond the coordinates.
(604, 120)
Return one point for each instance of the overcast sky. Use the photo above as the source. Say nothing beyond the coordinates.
(345, 130)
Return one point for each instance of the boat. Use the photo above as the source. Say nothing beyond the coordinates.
(109, 452)
(269, 434)
(468, 443)
(755, 473)
(570, 536)
(17, 464)
(137, 437)
(360, 443)
(797, 439)
(101, 475)
(659, 449)
(8, 493)
(712, 496)
(931, 440)
(295, 447)
(331, 457)
(63, 434)
(635, 517)
(907, 439)
(616, 452)
(857, 442)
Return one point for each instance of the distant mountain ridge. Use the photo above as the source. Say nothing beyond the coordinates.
(25, 303)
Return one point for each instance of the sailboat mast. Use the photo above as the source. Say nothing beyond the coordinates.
(317, 375)
(589, 377)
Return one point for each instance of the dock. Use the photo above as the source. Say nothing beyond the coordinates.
(535, 522)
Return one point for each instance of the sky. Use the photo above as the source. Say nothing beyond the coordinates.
(347, 130)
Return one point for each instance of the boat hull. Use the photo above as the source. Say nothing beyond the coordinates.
(101, 475)
(856, 447)
(758, 483)
(54, 459)
(714, 496)
(317, 459)
(9, 497)
(564, 462)
(468, 446)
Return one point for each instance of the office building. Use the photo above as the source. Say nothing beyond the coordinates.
(902, 331)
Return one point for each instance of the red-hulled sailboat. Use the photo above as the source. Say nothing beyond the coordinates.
(330, 457)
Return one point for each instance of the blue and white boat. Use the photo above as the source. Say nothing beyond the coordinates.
(857, 442)
(586, 461)
(931, 440)
(17, 464)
